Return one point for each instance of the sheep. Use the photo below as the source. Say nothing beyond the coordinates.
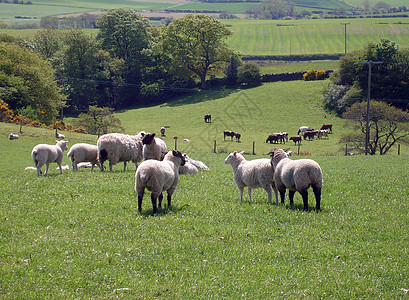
(254, 173)
(158, 176)
(162, 131)
(65, 167)
(196, 163)
(296, 175)
(13, 136)
(82, 152)
(59, 135)
(188, 168)
(117, 147)
(153, 148)
(46, 154)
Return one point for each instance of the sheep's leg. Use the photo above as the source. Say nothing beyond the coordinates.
(74, 166)
(154, 196)
(169, 199)
(160, 200)
(59, 165)
(276, 194)
(269, 194)
(46, 168)
(249, 190)
(282, 195)
(124, 166)
(110, 166)
(304, 194)
(291, 196)
(241, 194)
(317, 193)
(140, 197)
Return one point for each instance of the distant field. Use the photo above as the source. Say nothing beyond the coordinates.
(394, 3)
(283, 66)
(256, 37)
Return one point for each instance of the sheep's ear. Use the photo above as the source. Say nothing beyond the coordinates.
(153, 134)
(242, 152)
(142, 133)
(285, 150)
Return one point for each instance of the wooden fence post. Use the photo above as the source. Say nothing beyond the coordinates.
(254, 147)
(214, 149)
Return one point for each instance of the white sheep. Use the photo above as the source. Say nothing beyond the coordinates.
(13, 136)
(196, 163)
(296, 175)
(83, 152)
(117, 147)
(46, 154)
(153, 148)
(158, 176)
(59, 135)
(188, 168)
(253, 174)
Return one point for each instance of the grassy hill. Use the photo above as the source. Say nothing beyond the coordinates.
(78, 235)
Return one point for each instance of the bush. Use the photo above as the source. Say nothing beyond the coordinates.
(249, 74)
(314, 75)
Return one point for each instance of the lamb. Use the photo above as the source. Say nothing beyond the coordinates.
(82, 152)
(188, 168)
(253, 174)
(296, 175)
(158, 176)
(59, 135)
(117, 147)
(153, 148)
(46, 154)
(162, 131)
(13, 136)
(196, 163)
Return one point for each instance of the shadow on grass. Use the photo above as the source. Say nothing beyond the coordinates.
(162, 211)
(300, 207)
(201, 96)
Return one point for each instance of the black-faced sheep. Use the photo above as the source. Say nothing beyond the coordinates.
(296, 175)
(44, 154)
(117, 147)
(253, 174)
(82, 152)
(157, 177)
(153, 148)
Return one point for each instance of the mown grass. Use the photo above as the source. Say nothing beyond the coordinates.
(273, 67)
(255, 37)
(78, 235)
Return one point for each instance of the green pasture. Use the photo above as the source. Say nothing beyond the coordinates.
(79, 235)
(286, 37)
(393, 3)
(273, 67)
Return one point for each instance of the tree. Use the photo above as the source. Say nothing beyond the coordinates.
(249, 73)
(196, 44)
(232, 69)
(272, 9)
(47, 42)
(387, 125)
(99, 120)
(23, 73)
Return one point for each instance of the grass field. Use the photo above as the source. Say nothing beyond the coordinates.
(78, 235)
(255, 37)
(268, 67)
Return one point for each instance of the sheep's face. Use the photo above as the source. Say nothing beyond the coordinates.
(63, 145)
(179, 155)
(148, 138)
(232, 157)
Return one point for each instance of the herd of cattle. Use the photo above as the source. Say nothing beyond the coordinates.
(304, 132)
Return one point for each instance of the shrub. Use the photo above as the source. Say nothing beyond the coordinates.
(249, 74)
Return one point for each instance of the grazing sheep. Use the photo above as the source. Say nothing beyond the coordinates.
(303, 129)
(158, 176)
(44, 154)
(229, 133)
(208, 118)
(153, 148)
(82, 152)
(296, 175)
(253, 174)
(59, 135)
(117, 147)
(196, 163)
(162, 131)
(13, 136)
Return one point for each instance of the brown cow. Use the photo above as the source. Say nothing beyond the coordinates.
(296, 139)
(327, 126)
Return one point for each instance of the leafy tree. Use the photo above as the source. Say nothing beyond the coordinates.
(23, 73)
(389, 80)
(99, 120)
(249, 73)
(126, 35)
(47, 42)
(232, 70)
(272, 9)
(196, 44)
(387, 125)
